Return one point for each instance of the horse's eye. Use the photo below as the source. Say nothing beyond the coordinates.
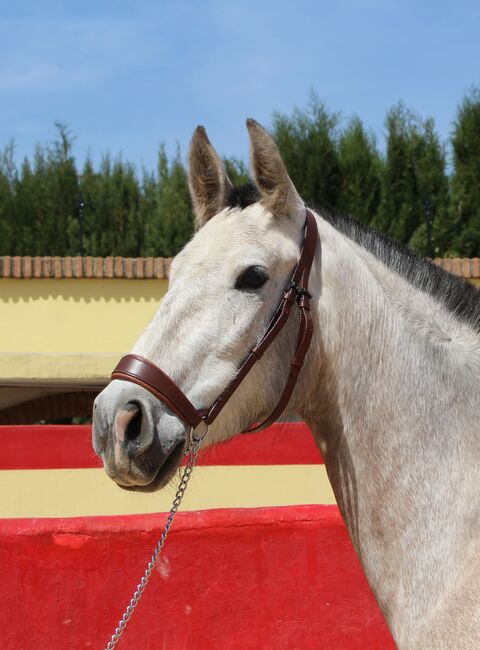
(253, 278)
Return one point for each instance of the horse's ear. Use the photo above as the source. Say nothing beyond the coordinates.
(278, 193)
(207, 180)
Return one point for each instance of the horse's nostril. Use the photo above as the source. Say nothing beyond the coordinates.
(134, 427)
(128, 423)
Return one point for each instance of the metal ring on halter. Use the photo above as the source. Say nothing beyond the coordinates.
(198, 438)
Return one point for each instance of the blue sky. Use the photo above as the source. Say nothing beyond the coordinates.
(128, 75)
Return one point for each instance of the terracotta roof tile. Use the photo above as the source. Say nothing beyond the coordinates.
(6, 267)
(27, 267)
(108, 267)
(78, 266)
(98, 267)
(167, 265)
(47, 267)
(37, 267)
(138, 267)
(128, 267)
(67, 267)
(88, 266)
(62, 267)
(158, 268)
(475, 265)
(17, 267)
(118, 268)
(445, 263)
(147, 267)
(457, 266)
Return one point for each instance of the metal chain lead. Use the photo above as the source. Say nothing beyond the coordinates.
(192, 449)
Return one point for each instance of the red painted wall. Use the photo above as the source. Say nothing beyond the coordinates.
(280, 578)
(265, 578)
(60, 446)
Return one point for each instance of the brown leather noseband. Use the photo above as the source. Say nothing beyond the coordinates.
(139, 370)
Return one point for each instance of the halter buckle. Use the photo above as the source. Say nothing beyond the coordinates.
(300, 291)
(197, 438)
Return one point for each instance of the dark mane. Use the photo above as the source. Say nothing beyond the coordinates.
(243, 196)
(459, 296)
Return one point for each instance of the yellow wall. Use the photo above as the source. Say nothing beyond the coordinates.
(87, 492)
(62, 329)
(59, 330)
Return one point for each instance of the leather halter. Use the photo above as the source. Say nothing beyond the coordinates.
(139, 370)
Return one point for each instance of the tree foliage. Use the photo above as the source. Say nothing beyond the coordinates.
(308, 143)
(466, 176)
(415, 185)
(361, 172)
(8, 179)
(169, 222)
(49, 205)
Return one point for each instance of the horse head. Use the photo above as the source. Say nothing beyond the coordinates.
(224, 288)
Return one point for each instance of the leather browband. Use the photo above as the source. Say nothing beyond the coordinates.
(139, 370)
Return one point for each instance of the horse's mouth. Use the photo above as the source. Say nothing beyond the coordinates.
(153, 474)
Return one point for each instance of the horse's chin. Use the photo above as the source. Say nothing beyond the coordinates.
(160, 475)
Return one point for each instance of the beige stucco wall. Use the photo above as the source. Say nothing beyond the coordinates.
(71, 331)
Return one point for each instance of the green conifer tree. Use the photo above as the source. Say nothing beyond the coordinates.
(466, 176)
(94, 221)
(415, 188)
(432, 236)
(170, 225)
(8, 179)
(308, 143)
(361, 167)
(45, 199)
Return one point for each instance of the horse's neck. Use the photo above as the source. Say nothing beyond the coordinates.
(397, 420)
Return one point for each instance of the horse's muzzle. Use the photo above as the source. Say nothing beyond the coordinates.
(139, 442)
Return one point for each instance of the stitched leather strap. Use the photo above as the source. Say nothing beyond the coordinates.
(139, 370)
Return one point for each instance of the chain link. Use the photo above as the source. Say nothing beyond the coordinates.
(192, 453)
